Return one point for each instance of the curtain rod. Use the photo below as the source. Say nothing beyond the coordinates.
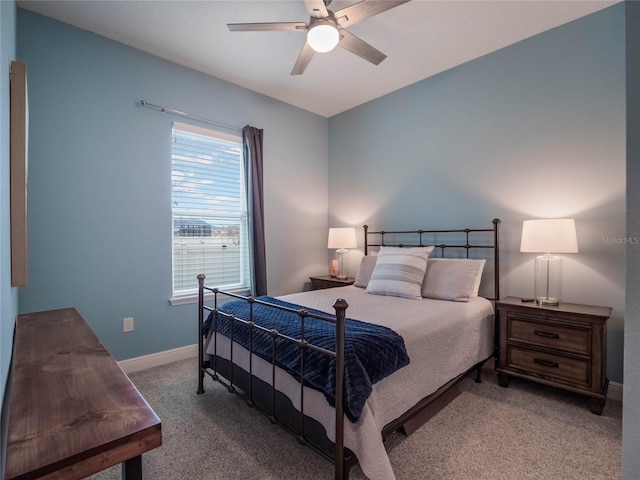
(172, 111)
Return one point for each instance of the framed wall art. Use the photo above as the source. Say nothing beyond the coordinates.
(19, 133)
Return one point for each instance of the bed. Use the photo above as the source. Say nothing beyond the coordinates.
(312, 345)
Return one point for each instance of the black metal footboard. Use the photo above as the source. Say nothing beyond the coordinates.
(264, 395)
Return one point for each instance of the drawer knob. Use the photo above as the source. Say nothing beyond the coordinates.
(540, 333)
(546, 363)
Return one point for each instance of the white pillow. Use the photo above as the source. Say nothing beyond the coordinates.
(476, 284)
(399, 272)
(456, 279)
(367, 264)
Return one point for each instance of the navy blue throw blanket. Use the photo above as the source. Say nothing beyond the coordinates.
(372, 352)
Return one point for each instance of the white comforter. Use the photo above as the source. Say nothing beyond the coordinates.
(443, 340)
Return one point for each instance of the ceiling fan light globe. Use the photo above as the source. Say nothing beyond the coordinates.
(323, 37)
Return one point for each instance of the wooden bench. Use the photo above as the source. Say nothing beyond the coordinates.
(72, 410)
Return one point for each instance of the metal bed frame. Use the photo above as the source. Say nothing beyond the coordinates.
(277, 406)
(435, 235)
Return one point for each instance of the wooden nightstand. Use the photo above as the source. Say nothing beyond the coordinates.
(562, 346)
(326, 281)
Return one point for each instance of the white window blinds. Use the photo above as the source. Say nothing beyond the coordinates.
(209, 210)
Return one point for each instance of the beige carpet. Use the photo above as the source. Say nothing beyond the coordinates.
(525, 432)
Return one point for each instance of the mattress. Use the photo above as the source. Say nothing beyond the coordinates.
(443, 340)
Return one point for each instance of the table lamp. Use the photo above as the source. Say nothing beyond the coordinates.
(342, 239)
(549, 236)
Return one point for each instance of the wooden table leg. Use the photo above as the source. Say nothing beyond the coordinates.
(132, 469)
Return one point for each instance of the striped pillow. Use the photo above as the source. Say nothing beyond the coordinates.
(399, 272)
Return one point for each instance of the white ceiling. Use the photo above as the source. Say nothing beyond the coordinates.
(420, 38)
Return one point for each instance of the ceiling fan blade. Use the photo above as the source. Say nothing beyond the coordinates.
(316, 8)
(303, 59)
(364, 9)
(350, 42)
(268, 27)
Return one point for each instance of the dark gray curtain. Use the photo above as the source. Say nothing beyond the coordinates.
(252, 142)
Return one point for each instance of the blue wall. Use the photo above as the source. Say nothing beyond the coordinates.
(8, 295)
(534, 130)
(99, 186)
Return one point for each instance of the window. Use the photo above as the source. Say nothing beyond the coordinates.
(209, 210)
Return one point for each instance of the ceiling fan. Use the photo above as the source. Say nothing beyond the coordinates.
(326, 29)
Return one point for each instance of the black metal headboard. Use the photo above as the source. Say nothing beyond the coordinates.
(455, 239)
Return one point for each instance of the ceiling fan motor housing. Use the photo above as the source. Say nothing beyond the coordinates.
(323, 35)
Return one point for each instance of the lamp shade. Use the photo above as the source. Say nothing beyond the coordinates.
(554, 235)
(323, 36)
(342, 238)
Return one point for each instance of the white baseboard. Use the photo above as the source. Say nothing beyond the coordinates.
(615, 391)
(157, 359)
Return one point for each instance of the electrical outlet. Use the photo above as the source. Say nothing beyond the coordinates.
(127, 324)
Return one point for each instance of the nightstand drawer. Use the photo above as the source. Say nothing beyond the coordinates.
(559, 337)
(572, 371)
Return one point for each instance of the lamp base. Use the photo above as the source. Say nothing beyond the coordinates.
(552, 302)
(548, 280)
(342, 274)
